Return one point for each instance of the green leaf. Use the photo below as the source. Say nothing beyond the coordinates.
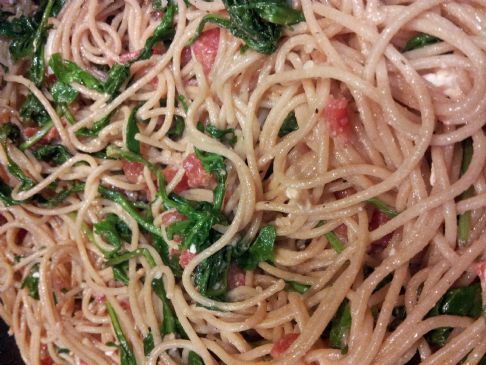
(21, 31)
(157, 5)
(257, 23)
(297, 287)
(340, 326)
(25, 182)
(132, 144)
(194, 359)
(9, 132)
(465, 301)
(262, 249)
(464, 219)
(95, 128)
(277, 12)
(63, 93)
(31, 282)
(68, 72)
(54, 153)
(335, 242)
(163, 32)
(148, 344)
(117, 75)
(211, 276)
(6, 195)
(126, 354)
(169, 322)
(214, 163)
(420, 41)
(60, 197)
(383, 207)
(41, 133)
(177, 128)
(32, 109)
(289, 125)
(226, 136)
(120, 258)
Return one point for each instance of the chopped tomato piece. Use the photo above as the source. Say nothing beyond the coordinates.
(236, 276)
(481, 271)
(171, 217)
(133, 171)
(337, 118)
(377, 219)
(173, 252)
(206, 48)
(45, 359)
(185, 258)
(169, 173)
(48, 138)
(283, 344)
(197, 177)
(341, 194)
(186, 56)
(129, 56)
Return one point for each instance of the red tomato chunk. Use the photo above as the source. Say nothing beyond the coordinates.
(206, 48)
(283, 344)
(236, 276)
(185, 258)
(133, 171)
(337, 118)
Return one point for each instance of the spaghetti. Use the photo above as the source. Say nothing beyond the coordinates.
(243, 182)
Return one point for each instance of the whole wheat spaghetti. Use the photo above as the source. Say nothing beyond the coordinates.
(243, 182)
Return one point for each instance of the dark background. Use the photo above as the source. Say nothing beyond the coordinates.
(9, 353)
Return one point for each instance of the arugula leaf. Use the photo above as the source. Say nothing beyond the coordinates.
(177, 128)
(41, 133)
(37, 67)
(194, 359)
(132, 144)
(25, 182)
(117, 75)
(63, 93)
(169, 323)
(31, 282)
(157, 5)
(211, 275)
(465, 301)
(32, 109)
(335, 242)
(21, 30)
(126, 354)
(164, 31)
(6, 195)
(95, 129)
(257, 23)
(227, 136)
(68, 72)
(9, 132)
(120, 258)
(420, 41)
(340, 326)
(55, 153)
(464, 219)
(289, 125)
(262, 249)
(383, 207)
(297, 287)
(148, 344)
(60, 197)
(214, 163)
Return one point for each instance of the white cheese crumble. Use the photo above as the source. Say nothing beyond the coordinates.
(446, 80)
(192, 248)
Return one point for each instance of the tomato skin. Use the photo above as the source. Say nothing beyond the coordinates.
(133, 171)
(236, 276)
(378, 219)
(337, 118)
(129, 56)
(169, 173)
(206, 48)
(197, 177)
(171, 217)
(185, 258)
(45, 359)
(48, 138)
(282, 344)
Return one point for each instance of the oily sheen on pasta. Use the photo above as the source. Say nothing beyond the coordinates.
(243, 182)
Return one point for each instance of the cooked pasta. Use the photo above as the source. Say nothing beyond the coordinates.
(243, 182)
